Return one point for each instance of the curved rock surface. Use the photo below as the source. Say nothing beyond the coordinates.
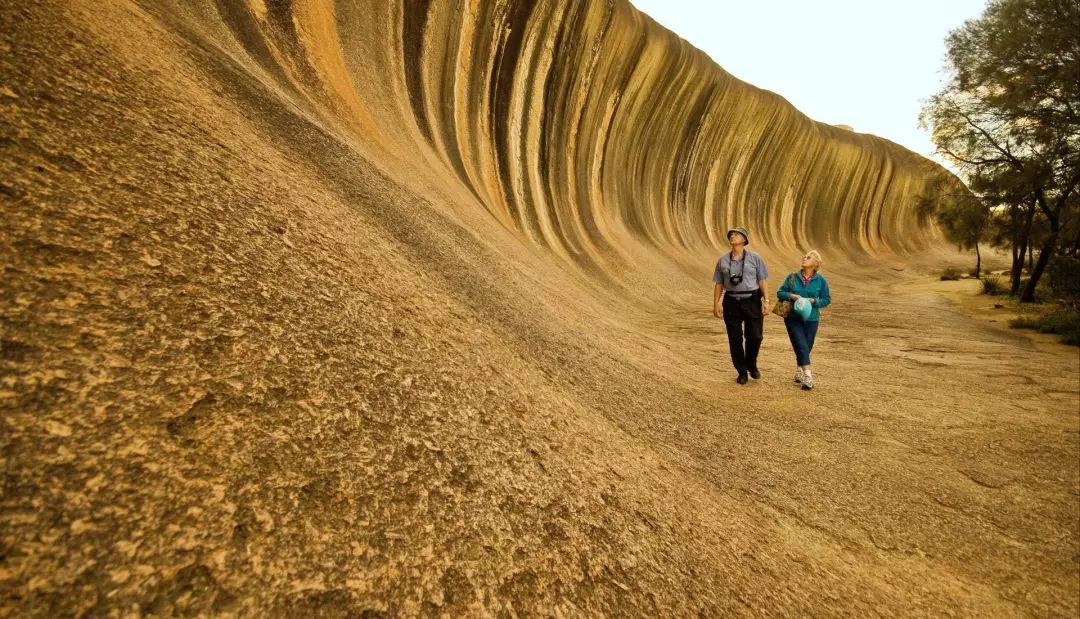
(369, 308)
(580, 124)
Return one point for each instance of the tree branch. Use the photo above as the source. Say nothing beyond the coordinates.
(974, 162)
(1004, 151)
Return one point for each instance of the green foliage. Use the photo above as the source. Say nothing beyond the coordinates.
(951, 274)
(992, 285)
(1042, 289)
(1064, 273)
(964, 220)
(1024, 322)
(1009, 120)
(926, 204)
(1012, 103)
(1021, 56)
(1065, 323)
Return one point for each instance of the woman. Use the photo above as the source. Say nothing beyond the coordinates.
(809, 284)
(739, 279)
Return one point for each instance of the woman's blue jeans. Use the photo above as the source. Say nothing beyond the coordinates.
(802, 334)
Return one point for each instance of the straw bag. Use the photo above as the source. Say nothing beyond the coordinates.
(783, 308)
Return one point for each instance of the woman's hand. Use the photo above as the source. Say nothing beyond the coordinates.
(793, 297)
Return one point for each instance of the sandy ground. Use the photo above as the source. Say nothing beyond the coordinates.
(967, 295)
(246, 371)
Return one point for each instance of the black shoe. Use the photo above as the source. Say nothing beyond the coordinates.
(741, 379)
(755, 374)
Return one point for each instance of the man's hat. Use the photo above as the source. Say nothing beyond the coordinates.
(743, 231)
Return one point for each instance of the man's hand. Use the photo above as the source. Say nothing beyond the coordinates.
(716, 310)
(766, 307)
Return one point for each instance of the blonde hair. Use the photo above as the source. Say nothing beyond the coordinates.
(813, 253)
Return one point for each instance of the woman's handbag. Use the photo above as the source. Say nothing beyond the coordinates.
(783, 308)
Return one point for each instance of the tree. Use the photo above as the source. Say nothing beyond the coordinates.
(1014, 216)
(1009, 117)
(963, 218)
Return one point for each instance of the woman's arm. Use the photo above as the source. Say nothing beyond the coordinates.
(823, 298)
(784, 292)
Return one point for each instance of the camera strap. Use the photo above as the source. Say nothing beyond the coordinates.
(742, 263)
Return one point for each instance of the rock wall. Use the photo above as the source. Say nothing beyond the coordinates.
(582, 124)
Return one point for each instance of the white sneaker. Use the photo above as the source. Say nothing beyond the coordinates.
(807, 381)
(799, 375)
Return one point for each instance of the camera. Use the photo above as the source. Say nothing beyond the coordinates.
(736, 279)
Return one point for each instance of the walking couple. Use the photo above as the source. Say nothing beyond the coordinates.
(740, 281)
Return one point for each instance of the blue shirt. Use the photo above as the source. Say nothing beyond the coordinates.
(751, 266)
(817, 288)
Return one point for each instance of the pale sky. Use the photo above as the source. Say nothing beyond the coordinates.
(863, 63)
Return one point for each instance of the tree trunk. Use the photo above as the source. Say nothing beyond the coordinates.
(978, 261)
(1018, 256)
(1040, 266)
(1053, 217)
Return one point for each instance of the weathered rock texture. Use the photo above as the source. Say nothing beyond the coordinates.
(369, 308)
(579, 123)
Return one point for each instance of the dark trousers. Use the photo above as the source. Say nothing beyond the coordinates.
(739, 314)
(802, 334)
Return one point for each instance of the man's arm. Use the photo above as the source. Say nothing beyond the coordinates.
(717, 292)
(763, 275)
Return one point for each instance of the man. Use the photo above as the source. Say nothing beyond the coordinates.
(739, 279)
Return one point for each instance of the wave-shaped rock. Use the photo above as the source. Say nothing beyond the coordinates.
(579, 123)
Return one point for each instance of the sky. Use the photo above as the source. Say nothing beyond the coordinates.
(868, 64)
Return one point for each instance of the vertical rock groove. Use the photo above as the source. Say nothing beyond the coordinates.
(586, 126)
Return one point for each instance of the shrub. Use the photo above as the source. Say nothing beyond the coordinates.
(1024, 322)
(1042, 289)
(991, 284)
(1064, 275)
(1065, 323)
(950, 274)
(1060, 322)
